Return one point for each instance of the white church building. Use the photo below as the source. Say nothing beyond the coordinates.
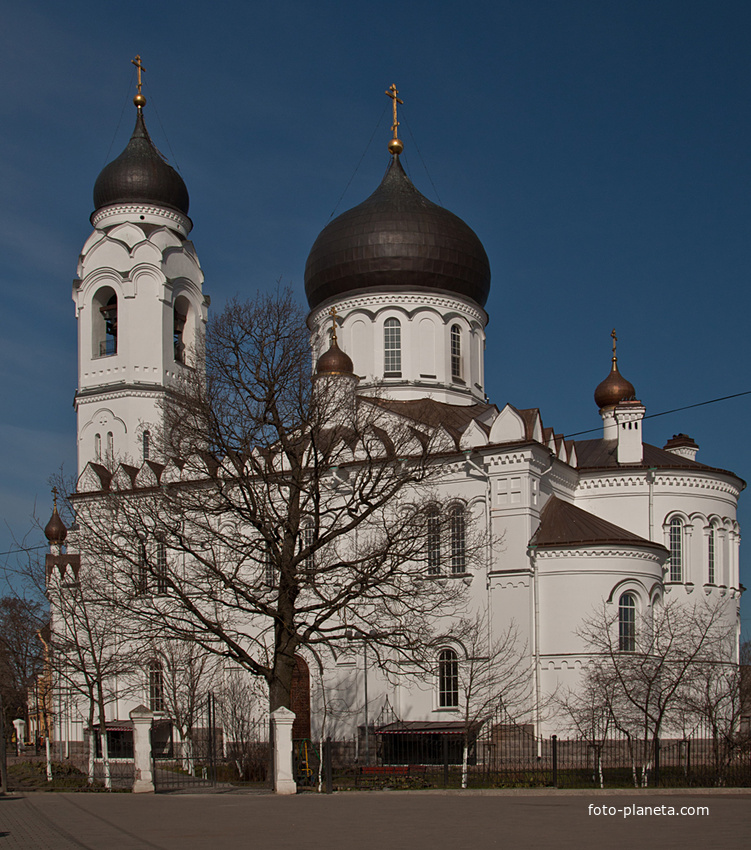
(577, 523)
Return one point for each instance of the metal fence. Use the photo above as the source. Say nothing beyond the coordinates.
(503, 754)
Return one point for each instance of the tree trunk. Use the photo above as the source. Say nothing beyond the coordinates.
(465, 762)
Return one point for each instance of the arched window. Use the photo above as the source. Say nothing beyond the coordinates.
(156, 685)
(434, 540)
(104, 322)
(160, 568)
(627, 623)
(110, 445)
(457, 539)
(98, 446)
(676, 549)
(711, 553)
(146, 440)
(179, 321)
(456, 353)
(448, 679)
(392, 349)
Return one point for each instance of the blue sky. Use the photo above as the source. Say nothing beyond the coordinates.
(599, 149)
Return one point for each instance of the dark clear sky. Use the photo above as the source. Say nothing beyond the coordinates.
(599, 149)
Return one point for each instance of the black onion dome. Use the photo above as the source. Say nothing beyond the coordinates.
(140, 175)
(397, 240)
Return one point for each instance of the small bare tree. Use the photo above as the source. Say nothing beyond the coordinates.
(646, 683)
(186, 675)
(493, 679)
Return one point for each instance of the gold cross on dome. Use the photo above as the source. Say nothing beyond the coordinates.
(137, 63)
(332, 313)
(392, 93)
(54, 497)
(615, 340)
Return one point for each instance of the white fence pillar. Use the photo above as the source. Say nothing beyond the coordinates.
(284, 780)
(143, 779)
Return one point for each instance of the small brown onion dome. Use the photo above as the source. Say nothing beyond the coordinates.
(55, 530)
(396, 241)
(614, 389)
(141, 175)
(334, 361)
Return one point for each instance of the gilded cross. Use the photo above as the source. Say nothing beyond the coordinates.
(54, 496)
(392, 93)
(615, 340)
(137, 63)
(332, 313)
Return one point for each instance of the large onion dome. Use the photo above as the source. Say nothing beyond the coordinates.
(614, 389)
(397, 240)
(141, 175)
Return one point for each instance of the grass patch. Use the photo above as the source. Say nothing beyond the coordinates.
(32, 776)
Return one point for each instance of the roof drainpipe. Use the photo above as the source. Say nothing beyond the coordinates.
(536, 650)
(488, 543)
(650, 481)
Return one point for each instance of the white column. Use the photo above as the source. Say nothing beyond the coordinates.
(143, 779)
(284, 780)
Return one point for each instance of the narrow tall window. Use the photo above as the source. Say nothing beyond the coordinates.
(108, 345)
(676, 549)
(306, 541)
(156, 686)
(434, 540)
(627, 623)
(711, 544)
(142, 576)
(448, 679)
(98, 446)
(178, 328)
(160, 568)
(269, 569)
(457, 539)
(456, 353)
(392, 348)
(146, 439)
(110, 445)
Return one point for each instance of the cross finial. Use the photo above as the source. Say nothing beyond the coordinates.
(395, 145)
(615, 340)
(139, 99)
(332, 313)
(54, 497)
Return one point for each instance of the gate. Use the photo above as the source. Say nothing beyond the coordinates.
(213, 756)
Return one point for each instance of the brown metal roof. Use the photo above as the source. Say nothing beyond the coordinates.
(433, 413)
(563, 524)
(602, 454)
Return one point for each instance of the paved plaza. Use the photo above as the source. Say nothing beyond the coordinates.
(361, 821)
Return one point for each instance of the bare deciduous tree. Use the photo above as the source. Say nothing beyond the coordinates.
(286, 514)
(678, 655)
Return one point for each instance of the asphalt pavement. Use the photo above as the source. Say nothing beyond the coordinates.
(429, 820)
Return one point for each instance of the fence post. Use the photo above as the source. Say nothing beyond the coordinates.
(143, 778)
(555, 761)
(445, 745)
(657, 761)
(327, 766)
(283, 778)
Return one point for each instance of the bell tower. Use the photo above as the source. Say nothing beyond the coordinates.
(139, 303)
